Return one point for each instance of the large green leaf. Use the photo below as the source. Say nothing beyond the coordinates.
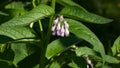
(21, 51)
(82, 32)
(15, 5)
(59, 45)
(16, 27)
(85, 51)
(16, 32)
(39, 12)
(111, 59)
(116, 46)
(82, 15)
(69, 3)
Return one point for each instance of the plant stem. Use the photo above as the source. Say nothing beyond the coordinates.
(46, 40)
(50, 24)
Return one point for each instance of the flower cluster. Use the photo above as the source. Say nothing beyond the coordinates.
(60, 27)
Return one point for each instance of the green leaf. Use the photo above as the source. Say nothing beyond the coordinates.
(69, 3)
(82, 32)
(111, 59)
(20, 51)
(116, 46)
(16, 32)
(59, 45)
(15, 28)
(55, 65)
(85, 51)
(37, 13)
(76, 62)
(15, 5)
(2, 47)
(80, 14)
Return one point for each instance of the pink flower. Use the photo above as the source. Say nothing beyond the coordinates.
(66, 24)
(66, 32)
(61, 18)
(58, 26)
(53, 28)
(55, 21)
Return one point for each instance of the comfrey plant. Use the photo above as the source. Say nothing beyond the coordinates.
(37, 39)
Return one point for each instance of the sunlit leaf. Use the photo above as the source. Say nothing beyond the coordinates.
(16, 27)
(85, 51)
(116, 46)
(80, 14)
(16, 32)
(82, 32)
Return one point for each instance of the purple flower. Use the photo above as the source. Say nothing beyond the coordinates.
(61, 18)
(66, 32)
(58, 26)
(53, 28)
(56, 21)
(66, 24)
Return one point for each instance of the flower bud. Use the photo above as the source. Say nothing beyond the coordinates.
(61, 18)
(62, 34)
(58, 33)
(54, 33)
(56, 21)
(66, 24)
(53, 28)
(58, 27)
(66, 32)
(62, 29)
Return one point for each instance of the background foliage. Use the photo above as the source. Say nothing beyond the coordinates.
(94, 32)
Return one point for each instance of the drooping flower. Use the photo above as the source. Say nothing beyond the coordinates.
(60, 27)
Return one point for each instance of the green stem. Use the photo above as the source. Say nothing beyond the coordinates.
(46, 40)
(50, 24)
(40, 24)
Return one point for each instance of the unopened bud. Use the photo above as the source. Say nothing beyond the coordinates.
(61, 17)
(58, 26)
(66, 32)
(66, 24)
(62, 29)
(56, 21)
(62, 34)
(54, 33)
(58, 33)
(53, 28)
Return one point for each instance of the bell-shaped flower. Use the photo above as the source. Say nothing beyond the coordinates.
(58, 26)
(56, 21)
(66, 24)
(53, 28)
(61, 18)
(66, 32)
